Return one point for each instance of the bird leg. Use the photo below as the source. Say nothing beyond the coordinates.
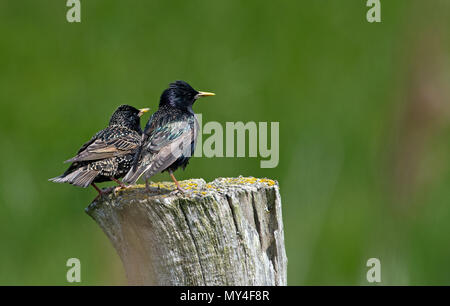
(122, 185)
(96, 188)
(147, 185)
(100, 192)
(176, 182)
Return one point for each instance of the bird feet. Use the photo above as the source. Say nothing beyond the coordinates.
(121, 184)
(179, 190)
(102, 192)
(118, 188)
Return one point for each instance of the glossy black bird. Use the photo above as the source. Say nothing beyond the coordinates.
(109, 154)
(170, 135)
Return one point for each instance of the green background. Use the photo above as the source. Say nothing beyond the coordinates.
(363, 109)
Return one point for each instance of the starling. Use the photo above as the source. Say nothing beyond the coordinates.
(170, 135)
(109, 154)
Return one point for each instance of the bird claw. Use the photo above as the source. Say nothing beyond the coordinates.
(103, 193)
(179, 190)
(118, 188)
(107, 191)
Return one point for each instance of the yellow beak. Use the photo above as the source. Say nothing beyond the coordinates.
(205, 94)
(142, 111)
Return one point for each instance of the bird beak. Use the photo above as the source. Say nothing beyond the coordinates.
(142, 111)
(205, 94)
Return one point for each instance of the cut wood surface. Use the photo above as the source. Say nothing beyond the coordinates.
(227, 232)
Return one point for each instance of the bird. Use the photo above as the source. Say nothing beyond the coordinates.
(109, 154)
(170, 135)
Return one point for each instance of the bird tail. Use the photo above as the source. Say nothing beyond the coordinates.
(140, 165)
(82, 177)
(134, 174)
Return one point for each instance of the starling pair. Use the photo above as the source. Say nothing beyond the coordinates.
(109, 154)
(170, 135)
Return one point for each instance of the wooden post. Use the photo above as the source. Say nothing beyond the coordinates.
(227, 232)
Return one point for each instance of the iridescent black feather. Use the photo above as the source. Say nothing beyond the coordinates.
(170, 135)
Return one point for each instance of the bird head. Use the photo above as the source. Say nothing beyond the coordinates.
(181, 95)
(128, 116)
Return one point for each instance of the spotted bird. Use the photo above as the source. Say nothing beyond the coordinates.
(170, 135)
(109, 154)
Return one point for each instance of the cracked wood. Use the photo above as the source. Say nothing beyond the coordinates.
(227, 232)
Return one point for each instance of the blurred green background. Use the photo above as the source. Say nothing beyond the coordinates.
(363, 109)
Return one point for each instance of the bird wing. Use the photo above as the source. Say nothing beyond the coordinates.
(163, 144)
(167, 134)
(110, 142)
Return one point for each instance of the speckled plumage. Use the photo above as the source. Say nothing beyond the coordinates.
(109, 154)
(170, 135)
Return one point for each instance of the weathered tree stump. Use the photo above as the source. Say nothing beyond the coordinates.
(227, 232)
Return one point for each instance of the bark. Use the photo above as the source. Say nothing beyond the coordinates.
(227, 232)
